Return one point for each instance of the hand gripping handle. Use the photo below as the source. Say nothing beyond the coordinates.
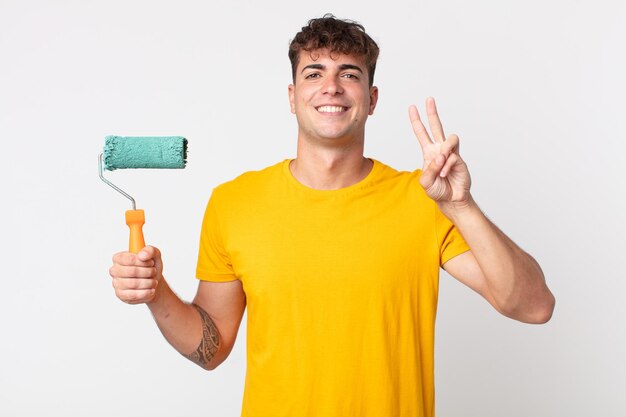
(135, 219)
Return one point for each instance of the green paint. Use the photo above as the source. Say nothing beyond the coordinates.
(122, 152)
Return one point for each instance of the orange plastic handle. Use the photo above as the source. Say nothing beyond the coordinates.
(135, 219)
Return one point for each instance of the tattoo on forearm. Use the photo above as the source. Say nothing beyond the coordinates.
(210, 340)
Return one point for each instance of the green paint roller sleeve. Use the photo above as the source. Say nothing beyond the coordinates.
(121, 152)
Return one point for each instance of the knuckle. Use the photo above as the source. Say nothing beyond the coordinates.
(131, 297)
(139, 272)
(118, 256)
(128, 258)
(122, 284)
(122, 295)
(127, 284)
(130, 284)
(124, 258)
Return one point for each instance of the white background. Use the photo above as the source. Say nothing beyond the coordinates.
(535, 90)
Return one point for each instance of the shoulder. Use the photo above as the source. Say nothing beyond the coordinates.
(252, 178)
(250, 183)
(390, 177)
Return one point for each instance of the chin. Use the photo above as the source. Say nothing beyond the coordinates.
(334, 137)
(334, 134)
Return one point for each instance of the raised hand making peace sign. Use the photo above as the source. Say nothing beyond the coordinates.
(445, 176)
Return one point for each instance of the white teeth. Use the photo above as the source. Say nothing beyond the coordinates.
(330, 109)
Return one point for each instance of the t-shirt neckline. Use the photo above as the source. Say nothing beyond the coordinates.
(365, 182)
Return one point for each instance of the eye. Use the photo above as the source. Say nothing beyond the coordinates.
(350, 76)
(312, 75)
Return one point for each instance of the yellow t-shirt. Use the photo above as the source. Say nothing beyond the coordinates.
(341, 289)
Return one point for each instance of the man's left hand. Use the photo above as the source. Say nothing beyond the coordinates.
(445, 177)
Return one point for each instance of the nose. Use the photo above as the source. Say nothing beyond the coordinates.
(332, 86)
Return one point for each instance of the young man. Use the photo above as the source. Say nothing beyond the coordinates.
(337, 256)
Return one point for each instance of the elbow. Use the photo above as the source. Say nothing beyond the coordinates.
(532, 304)
(211, 366)
(215, 361)
(541, 317)
(544, 314)
(207, 359)
(220, 356)
(538, 313)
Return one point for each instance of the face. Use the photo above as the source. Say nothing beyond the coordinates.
(331, 97)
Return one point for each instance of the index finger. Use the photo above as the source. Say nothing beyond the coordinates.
(130, 259)
(418, 127)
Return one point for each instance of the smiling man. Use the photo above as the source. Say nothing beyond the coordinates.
(332, 98)
(337, 256)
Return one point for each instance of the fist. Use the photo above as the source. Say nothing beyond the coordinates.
(136, 276)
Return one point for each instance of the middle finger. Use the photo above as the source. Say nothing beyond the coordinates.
(433, 120)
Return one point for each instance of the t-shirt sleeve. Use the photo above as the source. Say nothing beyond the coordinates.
(451, 243)
(214, 262)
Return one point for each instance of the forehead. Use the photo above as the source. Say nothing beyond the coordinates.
(326, 58)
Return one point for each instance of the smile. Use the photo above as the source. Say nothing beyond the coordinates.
(331, 109)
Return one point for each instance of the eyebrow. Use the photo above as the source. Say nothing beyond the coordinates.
(341, 67)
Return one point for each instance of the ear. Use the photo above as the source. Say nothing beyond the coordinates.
(373, 99)
(292, 105)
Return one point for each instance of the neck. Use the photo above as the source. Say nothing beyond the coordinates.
(330, 169)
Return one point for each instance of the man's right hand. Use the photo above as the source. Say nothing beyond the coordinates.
(136, 276)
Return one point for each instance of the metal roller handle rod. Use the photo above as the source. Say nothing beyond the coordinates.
(115, 187)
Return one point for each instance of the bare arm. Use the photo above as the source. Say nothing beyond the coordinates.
(506, 276)
(205, 331)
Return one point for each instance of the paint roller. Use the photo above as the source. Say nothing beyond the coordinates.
(122, 152)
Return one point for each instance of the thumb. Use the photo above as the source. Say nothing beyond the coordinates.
(431, 172)
(149, 253)
(152, 253)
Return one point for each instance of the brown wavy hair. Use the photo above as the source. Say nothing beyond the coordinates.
(339, 37)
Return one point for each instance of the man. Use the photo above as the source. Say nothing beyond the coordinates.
(336, 256)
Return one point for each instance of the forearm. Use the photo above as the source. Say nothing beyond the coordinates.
(514, 279)
(187, 327)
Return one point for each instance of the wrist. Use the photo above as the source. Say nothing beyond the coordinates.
(457, 210)
(159, 292)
